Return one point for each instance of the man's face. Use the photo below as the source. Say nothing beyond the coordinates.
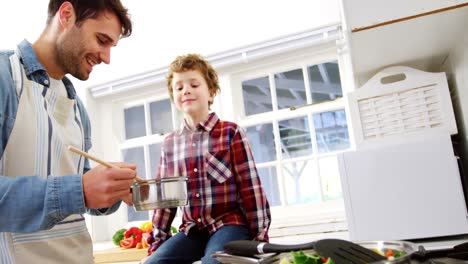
(82, 47)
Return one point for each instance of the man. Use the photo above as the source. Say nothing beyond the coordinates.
(44, 188)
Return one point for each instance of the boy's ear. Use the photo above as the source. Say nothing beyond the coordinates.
(212, 96)
(66, 15)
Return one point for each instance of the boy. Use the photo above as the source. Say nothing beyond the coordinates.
(226, 200)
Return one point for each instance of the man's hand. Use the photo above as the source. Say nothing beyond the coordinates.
(127, 199)
(103, 187)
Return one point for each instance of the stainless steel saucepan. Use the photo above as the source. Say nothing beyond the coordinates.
(160, 193)
(151, 194)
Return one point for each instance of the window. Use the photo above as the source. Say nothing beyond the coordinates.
(286, 95)
(295, 132)
(145, 126)
(259, 94)
(135, 122)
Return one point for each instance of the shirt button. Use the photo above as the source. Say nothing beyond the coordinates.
(197, 195)
(199, 220)
(195, 170)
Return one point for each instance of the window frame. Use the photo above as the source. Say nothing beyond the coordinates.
(277, 115)
(230, 98)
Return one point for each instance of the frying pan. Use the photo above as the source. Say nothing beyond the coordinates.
(335, 248)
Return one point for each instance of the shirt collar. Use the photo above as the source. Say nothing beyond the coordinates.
(206, 125)
(36, 72)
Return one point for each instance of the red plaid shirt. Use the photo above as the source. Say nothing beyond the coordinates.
(224, 186)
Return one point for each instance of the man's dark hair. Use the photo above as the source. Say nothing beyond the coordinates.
(85, 9)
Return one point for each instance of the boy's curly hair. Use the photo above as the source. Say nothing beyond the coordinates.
(193, 62)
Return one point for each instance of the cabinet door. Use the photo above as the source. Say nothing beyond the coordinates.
(403, 191)
(365, 13)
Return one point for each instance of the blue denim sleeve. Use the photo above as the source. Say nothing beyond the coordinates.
(31, 203)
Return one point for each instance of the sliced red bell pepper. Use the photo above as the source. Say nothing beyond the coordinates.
(127, 243)
(135, 233)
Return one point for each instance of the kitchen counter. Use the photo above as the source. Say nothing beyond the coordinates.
(108, 253)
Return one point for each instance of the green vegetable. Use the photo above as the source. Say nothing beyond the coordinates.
(300, 257)
(118, 236)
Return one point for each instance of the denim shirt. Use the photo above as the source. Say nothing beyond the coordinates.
(49, 200)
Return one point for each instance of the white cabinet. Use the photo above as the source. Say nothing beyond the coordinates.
(429, 35)
(365, 13)
(417, 33)
(403, 191)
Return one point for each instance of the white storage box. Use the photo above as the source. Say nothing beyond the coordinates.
(402, 181)
(419, 102)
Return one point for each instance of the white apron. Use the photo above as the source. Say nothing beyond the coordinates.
(46, 123)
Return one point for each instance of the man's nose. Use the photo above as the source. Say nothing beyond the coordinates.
(105, 56)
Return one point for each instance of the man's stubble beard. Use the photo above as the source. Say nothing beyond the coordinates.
(70, 55)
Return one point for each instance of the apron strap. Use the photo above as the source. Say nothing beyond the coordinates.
(17, 72)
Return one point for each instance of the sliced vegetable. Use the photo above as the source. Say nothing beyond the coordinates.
(300, 257)
(118, 236)
(134, 232)
(146, 227)
(128, 243)
(144, 240)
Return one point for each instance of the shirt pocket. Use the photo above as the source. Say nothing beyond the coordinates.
(218, 165)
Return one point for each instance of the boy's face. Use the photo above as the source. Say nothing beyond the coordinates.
(79, 49)
(191, 93)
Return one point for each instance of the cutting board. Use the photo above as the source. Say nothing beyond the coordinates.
(119, 255)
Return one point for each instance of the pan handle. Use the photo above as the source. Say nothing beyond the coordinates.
(459, 251)
(251, 248)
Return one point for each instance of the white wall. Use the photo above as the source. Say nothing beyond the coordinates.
(164, 29)
(457, 68)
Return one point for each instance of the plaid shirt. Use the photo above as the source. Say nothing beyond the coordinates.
(224, 187)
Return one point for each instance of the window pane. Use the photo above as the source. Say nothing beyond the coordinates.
(134, 215)
(155, 155)
(161, 117)
(331, 131)
(290, 89)
(136, 156)
(301, 182)
(270, 185)
(257, 96)
(325, 83)
(295, 137)
(135, 122)
(330, 178)
(262, 142)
